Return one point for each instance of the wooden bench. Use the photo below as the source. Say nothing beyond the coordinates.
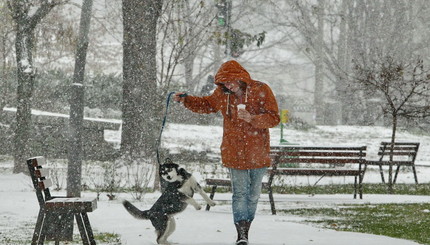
(55, 219)
(402, 154)
(328, 159)
(319, 161)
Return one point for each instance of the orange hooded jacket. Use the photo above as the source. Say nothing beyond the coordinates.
(244, 145)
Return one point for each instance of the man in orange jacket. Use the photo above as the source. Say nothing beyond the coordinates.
(249, 109)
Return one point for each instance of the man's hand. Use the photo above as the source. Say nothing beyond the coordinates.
(180, 97)
(244, 115)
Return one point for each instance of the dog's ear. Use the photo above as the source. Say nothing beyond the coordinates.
(168, 161)
(171, 164)
(184, 172)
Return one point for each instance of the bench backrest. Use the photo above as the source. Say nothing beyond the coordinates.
(402, 151)
(39, 177)
(318, 155)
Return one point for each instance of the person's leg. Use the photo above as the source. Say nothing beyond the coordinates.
(240, 181)
(246, 186)
(256, 178)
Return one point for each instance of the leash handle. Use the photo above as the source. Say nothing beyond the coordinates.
(183, 95)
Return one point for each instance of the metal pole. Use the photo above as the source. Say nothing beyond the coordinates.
(228, 23)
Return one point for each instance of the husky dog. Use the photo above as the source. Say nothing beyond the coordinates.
(177, 194)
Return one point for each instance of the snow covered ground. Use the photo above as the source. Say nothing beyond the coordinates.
(19, 211)
(19, 207)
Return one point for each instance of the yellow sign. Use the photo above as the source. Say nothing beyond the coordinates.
(284, 116)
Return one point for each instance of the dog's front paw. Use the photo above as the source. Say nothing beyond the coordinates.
(198, 207)
(211, 203)
(164, 242)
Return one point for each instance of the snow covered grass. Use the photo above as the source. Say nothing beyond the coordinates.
(406, 221)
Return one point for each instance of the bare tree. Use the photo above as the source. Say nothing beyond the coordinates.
(402, 86)
(189, 37)
(354, 30)
(26, 15)
(56, 40)
(184, 32)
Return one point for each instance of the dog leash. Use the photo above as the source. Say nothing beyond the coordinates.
(164, 123)
(162, 126)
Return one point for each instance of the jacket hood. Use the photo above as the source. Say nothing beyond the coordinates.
(231, 71)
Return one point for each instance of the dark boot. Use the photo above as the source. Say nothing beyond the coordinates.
(247, 226)
(242, 228)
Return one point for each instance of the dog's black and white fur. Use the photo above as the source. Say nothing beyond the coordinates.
(177, 194)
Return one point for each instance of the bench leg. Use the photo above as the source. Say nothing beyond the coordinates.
(355, 187)
(43, 231)
(360, 186)
(395, 175)
(38, 227)
(361, 179)
(211, 196)
(364, 171)
(56, 236)
(41, 239)
(88, 228)
(272, 201)
(381, 171)
(269, 189)
(415, 174)
(82, 229)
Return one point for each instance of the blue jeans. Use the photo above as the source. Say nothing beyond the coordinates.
(246, 186)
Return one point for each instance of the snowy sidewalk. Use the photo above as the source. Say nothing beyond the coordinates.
(216, 228)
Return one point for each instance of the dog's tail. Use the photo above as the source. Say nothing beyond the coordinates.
(135, 212)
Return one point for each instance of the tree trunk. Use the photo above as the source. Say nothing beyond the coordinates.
(319, 65)
(141, 102)
(75, 154)
(393, 140)
(342, 54)
(25, 25)
(23, 45)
